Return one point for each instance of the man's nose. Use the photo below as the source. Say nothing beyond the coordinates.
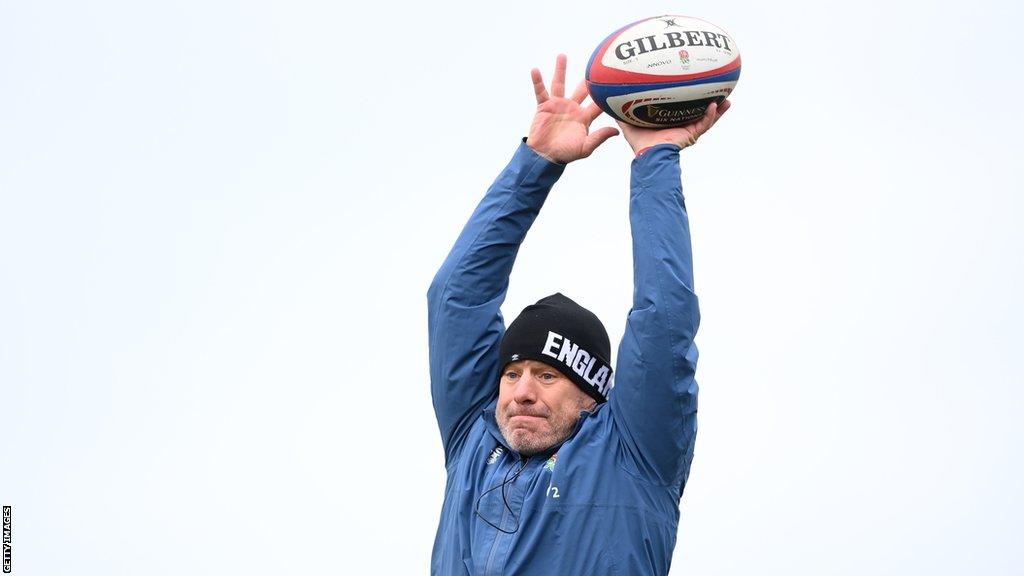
(526, 389)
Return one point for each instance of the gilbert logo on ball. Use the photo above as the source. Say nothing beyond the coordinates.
(664, 71)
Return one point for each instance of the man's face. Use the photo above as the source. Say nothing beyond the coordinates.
(537, 406)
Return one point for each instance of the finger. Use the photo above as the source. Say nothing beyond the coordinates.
(706, 121)
(538, 86)
(724, 107)
(596, 138)
(591, 112)
(558, 82)
(581, 91)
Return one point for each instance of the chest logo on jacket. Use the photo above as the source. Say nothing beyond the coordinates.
(552, 491)
(550, 464)
(495, 454)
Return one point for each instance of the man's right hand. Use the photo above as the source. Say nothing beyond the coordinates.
(560, 130)
(641, 139)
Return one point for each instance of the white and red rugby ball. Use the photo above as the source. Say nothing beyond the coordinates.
(663, 71)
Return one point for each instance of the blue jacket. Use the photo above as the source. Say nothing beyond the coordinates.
(606, 501)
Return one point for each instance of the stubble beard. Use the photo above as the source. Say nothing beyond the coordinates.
(527, 442)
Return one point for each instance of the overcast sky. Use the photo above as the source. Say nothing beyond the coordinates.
(219, 219)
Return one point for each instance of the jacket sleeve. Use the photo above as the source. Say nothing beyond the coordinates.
(464, 317)
(654, 402)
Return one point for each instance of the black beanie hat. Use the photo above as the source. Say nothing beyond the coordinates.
(565, 336)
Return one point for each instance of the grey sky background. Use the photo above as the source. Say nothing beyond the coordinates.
(219, 219)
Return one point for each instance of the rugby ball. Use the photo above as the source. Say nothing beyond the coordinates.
(664, 71)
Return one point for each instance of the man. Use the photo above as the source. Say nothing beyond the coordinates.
(548, 470)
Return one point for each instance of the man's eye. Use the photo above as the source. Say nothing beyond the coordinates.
(511, 375)
(547, 376)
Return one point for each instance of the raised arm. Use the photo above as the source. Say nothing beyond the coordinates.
(464, 317)
(654, 402)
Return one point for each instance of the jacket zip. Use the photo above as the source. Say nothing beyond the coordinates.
(498, 537)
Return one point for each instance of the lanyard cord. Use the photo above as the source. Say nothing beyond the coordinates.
(504, 498)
